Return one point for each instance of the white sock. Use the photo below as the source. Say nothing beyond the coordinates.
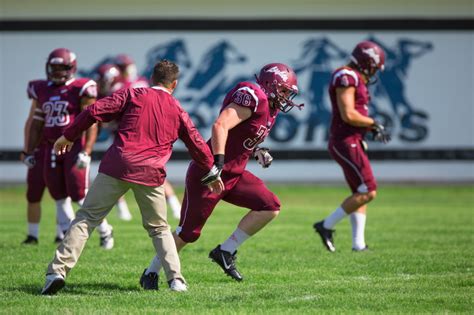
(334, 218)
(64, 213)
(122, 206)
(104, 228)
(234, 241)
(155, 266)
(81, 202)
(358, 230)
(33, 229)
(59, 231)
(175, 206)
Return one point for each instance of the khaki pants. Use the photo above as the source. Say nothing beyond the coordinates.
(102, 196)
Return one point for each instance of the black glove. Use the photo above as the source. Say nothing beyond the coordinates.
(216, 170)
(379, 133)
(263, 156)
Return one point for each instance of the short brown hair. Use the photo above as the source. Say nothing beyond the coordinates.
(165, 72)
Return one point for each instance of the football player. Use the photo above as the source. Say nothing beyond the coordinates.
(109, 80)
(350, 122)
(247, 115)
(57, 101)
(35, 185)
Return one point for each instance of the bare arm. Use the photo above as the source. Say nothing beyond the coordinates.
(33, 128)
(346, 104)
(91, 132)
(230, 117)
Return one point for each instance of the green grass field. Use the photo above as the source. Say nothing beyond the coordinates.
(421, 260)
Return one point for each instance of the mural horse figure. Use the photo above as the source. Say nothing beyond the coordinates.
(174, 51)
(316, 57)
(392, 85)
(210, 80)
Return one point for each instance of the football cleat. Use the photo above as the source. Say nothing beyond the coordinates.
(149, 281)
(54, 283)
(58, 239)
(30, 240)
(178, 285)
(107, 242)
(226, 261)
(326, 235)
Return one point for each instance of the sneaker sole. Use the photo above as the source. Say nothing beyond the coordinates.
(54, 287)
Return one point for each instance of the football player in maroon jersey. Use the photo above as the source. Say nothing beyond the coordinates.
(57, 101)
(36, 185)
(247, 115)
(350, 122)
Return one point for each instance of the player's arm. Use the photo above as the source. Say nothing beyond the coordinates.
(33, 128)
(230, 117)
(346, 104)
(91, 132)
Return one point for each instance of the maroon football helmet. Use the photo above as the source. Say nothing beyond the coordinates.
(127, 67)
(108, 77)
(280, 84)
(61, 65)
(368, 57)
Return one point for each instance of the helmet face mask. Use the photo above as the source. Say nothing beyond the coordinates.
(279, 83)
(61, 66)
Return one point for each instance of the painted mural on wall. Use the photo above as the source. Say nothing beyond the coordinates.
(205, 82)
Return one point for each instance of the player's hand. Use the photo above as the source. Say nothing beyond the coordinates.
(62, 146)
(28, 159)
(263, 156)
(83, 160)
(216, 186)
(380, 133)
(213, 175)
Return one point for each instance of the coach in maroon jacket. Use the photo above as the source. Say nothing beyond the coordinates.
(150, 121)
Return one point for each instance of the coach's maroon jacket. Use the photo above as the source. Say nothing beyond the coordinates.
(150, 121)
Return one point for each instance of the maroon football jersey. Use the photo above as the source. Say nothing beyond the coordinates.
(60, 104)
(346, 77)
(243, 138)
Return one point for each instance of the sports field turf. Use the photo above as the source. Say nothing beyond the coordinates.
(421, 260)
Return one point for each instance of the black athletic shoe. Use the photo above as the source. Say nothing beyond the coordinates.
(149, 281)
(365, 249)
(326, 236)
(58, 240)
(30, 240)
(227, 262)
(53, 284)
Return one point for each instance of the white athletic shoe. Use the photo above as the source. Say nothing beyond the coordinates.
(178, 285)
(107, 242)
(54, 283)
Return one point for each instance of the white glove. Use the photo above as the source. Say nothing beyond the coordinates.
(83, 160)
(263, 156)
(29, 160)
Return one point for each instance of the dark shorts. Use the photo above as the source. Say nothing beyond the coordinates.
(35, 184)
(61, 175)
(245, 190)
(355, 164)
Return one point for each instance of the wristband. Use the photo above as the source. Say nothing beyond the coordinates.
(219, 160)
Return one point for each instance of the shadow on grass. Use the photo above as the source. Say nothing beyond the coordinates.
(96, 289)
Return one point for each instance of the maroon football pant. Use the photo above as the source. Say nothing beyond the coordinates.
(246, 190)
(350, 155)
(35, 184)
(61, 175)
